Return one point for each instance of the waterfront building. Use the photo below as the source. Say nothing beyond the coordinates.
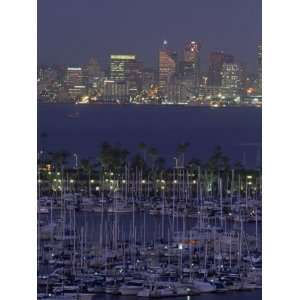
(177, 92)
(73, 76)
(167, 67)
(77, 91)
(259, 69)
(116, 92)
(74, 82)
(216, 61)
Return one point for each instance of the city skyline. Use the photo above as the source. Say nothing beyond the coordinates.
(63, 37)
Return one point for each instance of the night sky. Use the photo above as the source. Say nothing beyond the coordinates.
(69, 32)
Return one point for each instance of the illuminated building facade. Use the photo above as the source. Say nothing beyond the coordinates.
(167, 67)
(74, 82)
(121, 66)
(216, 61)
(231, 76)
(259, 69)
(190, 67)
(115, 92)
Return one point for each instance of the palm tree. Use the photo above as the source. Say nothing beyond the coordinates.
(153, 153)
(59, 158)
(143, 148)
(181, 149)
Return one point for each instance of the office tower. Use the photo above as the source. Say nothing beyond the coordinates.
(73, 76)
(231, 77)
(216, 61)
(74, 82)
(115, 92)
(121, 66)
(190, 66)
(167, 67)
(259, 69)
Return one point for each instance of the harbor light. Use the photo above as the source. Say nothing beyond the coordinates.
(123, 181)
(194, 181)
(106, 180)
(71, 180)
(175, 181)
(249, 177)
(49, 173)
(111, 174)
(180, 246)
(58, 173)
(143, 181)
(97, 188)
(39, 181)
(111, 187)
(92, 181)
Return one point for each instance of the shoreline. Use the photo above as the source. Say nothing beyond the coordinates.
(153, 105)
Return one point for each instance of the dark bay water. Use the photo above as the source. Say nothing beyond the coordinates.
(82, 128)
(251, 295)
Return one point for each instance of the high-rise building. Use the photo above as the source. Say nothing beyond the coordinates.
(167, 67)
(259, 69)
(73, 77)
(190, 66)
(74, 82)
(216, 61)
(121, 66)
(115, 91)
(231, 77)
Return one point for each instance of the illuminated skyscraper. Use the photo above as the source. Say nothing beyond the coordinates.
(115, 92)
(259, 69)
(121, 66)
(231, 77)
(74, 82)
(190, 66)
(216, 61)
(73, 76)
(167, 67)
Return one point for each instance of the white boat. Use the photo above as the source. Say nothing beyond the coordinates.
(131, 288)
(60, 297)
(156, 291)
(204, 286)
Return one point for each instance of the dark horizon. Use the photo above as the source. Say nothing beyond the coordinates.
(71, 34)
